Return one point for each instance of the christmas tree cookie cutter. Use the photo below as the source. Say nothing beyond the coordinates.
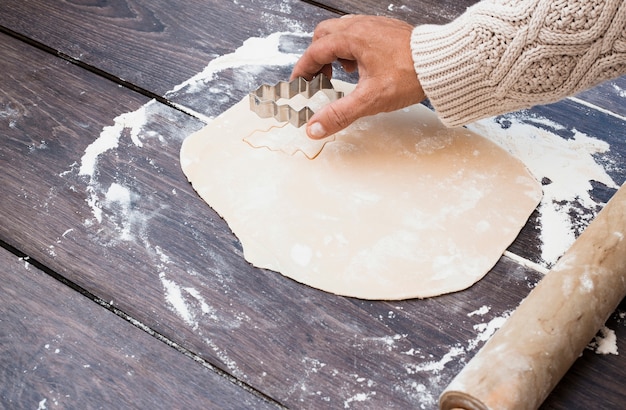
(264, 101)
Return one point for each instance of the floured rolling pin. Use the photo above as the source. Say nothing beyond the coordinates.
(525, 359)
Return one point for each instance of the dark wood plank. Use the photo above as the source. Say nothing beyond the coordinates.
(61, 350)
(610, 96)
(165, 258)
(415, 12)
(153, 44)
(114, 166)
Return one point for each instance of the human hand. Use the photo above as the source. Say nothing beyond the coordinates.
(379, 48)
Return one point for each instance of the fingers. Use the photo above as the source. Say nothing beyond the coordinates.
(309, 65)
(379, 49)
(330, 43)
(319, 56)
(336, 116)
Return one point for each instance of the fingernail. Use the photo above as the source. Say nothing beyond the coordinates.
(316, 130)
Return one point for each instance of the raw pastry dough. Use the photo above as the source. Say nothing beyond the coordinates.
(396, 206)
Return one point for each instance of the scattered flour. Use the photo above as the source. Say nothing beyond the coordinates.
(359, 397)
(25, 259)
(605, 342)
(174, 296)
(486, 330)
(567, 166)
(226, 359)
(256, 51)
(422, 394)
(187, 302)
(436, 366)
(567, 163)
(620, 91)
(483, 310)
(392, 7)
(110, 136)
(434, 375)
(120, 195)
(109, 140)
(388, 343)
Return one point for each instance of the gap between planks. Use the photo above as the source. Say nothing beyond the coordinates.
(101, 73)
(325, 7)
(138, 324)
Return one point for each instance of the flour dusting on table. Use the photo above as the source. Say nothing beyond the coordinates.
(605, 342)
(254, 52)
(126, 209)
(566, 166)
(131, 122)
(483, 310)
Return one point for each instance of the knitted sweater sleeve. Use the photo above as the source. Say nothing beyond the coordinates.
(505, 55)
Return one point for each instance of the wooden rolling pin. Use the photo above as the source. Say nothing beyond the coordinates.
(523, 361)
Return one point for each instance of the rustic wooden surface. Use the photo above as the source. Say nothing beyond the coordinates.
(59, 349)
(134, 238)
(415, 12)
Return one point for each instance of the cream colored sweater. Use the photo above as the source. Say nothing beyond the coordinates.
(505, 55)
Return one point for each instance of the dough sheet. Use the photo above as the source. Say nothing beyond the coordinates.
(396, 206)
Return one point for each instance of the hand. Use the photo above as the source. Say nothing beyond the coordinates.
(379, 48)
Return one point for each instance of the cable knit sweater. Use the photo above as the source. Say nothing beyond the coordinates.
(505, 55)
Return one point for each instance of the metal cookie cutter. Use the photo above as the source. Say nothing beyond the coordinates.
(264, 100)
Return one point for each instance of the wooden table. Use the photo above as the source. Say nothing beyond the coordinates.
(122, 289)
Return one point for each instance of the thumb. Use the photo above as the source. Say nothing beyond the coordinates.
(335, 116)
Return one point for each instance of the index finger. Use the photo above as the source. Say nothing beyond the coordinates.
(319, 55)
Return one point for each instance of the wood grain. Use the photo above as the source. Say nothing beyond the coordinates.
(60, 349)
(154, 45)
(165, 258)
(610, 96)
(415, 12)
(300, 346)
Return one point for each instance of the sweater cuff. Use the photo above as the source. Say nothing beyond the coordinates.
(455, 64)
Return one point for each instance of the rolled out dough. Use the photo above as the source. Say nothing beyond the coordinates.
(396, 206)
